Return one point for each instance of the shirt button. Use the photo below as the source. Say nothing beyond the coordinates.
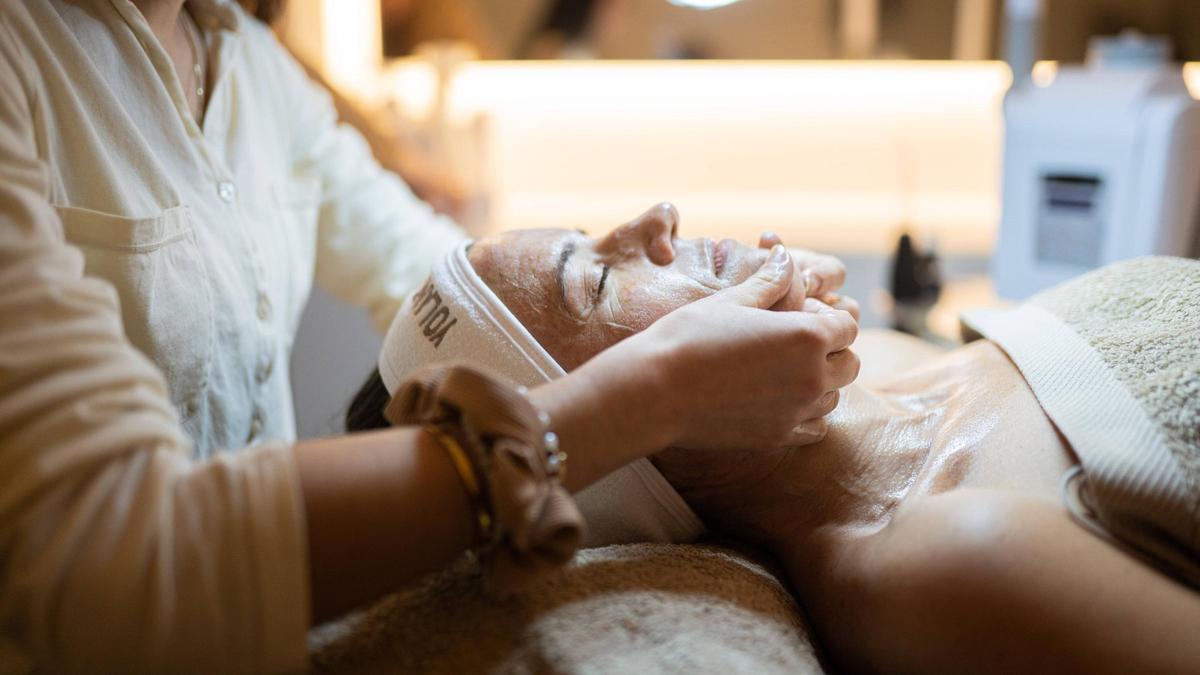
(226, 191)
(191, 405)
(264, 307)
(256, 426)
(264, 370)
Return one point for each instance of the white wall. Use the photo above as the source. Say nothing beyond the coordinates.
(832, 154)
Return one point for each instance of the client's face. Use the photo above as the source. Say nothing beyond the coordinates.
(578, 295)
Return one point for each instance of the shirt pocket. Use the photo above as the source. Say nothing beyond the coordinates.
(297, 205)
(158, 272)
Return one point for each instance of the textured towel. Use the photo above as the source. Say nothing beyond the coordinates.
(455, 317)
(1114, 359)
(642, 608)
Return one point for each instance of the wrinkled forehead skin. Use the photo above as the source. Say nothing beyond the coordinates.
(519, 267)
(608, 288)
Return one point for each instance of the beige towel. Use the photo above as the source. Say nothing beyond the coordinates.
(639, 608)
(1114, 359)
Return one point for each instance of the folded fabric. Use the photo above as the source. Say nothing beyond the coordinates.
(1114, 359)
(456, 318)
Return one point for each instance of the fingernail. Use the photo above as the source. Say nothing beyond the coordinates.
(778, 260)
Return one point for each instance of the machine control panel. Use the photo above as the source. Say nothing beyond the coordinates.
(1070, 219)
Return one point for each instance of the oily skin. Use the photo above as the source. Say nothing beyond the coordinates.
(929, 430)
(925, 533)
(920, 433)
(647, 272)
(938, 428)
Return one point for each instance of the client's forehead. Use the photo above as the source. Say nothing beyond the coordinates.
(523, 253)
(521, 266)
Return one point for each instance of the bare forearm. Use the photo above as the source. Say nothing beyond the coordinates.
(382, 509)
(387, 507)
(605, 418)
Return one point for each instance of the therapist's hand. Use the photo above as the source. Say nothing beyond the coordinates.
(725, 373)
(718, 374)
(817, 276)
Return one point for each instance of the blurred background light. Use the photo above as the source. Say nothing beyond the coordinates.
(702, 4)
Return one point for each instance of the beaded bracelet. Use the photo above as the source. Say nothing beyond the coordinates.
(556, 459)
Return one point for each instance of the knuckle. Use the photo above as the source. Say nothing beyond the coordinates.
(838, 266)
(847, 323)
(809, 336)
(831, 401)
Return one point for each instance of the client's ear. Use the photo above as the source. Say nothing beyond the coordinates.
(366, 408)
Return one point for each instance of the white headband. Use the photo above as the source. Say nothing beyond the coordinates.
(455, 317)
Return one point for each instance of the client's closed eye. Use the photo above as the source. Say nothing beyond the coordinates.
(600, 285)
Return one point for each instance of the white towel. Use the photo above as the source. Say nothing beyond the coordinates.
(1113, 357)
(455, 317)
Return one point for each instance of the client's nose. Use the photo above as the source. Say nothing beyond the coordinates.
(651, 234)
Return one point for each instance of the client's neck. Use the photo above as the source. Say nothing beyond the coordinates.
(855, 477)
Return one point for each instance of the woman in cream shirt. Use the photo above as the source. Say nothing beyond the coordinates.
(170, 187)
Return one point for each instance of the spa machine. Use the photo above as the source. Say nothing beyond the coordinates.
(1101, 163)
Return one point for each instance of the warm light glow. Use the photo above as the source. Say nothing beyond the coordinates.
(1191, 75)
(702, 4)
(831, 154)
(835, 155)
(352, 44)
(1044, 72)
(412, 85)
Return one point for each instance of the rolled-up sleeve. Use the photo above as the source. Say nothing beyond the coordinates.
(376, 239)
(118, 552)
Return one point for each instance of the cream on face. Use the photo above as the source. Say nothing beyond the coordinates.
(579, 295)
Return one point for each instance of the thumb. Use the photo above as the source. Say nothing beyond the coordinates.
(768, 285)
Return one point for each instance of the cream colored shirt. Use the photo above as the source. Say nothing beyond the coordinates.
(152, 275)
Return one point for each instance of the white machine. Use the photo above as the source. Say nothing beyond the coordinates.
(1101, 163)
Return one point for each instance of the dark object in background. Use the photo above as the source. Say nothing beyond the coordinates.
(563, 24)
(265, 11)
(406, 24)
(1069, 24)
(571, 18)
(916, 285)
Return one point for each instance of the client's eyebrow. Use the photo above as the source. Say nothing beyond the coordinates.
(568, 250)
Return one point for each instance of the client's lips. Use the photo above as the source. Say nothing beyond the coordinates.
(720, 255)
